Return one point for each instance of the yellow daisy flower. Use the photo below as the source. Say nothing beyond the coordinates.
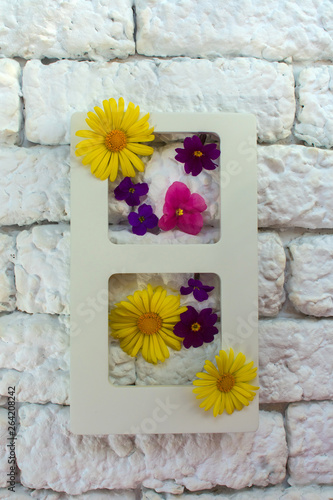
(226, 387)
(114, 140)
(145, 323)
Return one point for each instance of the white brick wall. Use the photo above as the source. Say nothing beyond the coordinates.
(273, 31)
(10, 92)
(241, 84)
(195, 56)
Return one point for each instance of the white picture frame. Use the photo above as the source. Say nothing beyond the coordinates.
(97, 406)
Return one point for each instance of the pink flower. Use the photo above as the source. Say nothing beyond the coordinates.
(182, 209)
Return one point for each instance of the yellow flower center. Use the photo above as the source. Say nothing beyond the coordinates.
(195, 327)
(115, 140)
(131, 190)
(179, 211)
(141, 219)
(198, 153)
(149, 323)
(225, 382)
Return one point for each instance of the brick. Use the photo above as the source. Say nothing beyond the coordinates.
(55, 30)
(34, 357)
(34, 185)
(301, 31)
(295, 185)
(309, 429)
(11, 109)
(314, 114)
(310, 285)
(49, 456)
(53, 92)
(7, 282)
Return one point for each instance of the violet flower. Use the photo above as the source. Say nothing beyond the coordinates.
(196, 327)
(143, 220)
(197, 288)
(197, 155)
(129, 192)
(182, 209)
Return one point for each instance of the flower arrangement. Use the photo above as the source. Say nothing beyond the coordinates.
(114, 142)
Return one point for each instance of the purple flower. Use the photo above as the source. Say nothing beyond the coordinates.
(197, 288)
(196, 327)
(130, 192)
(197, 155)
(143, 220)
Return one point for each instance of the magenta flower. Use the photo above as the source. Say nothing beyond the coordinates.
(196, 327)
(197, 288)
(130, 192)
(143, 220)
(197, 155)
(182, 209)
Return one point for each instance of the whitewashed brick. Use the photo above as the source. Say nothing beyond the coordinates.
(294, 354)
(67, 30)
(310, 285)
(3, 447)
(310, 437)
(11, 109)
(295, 185)
(22, 493)
(34, 185)
(7, 282)
(301, 30)
(53, 92)
(314, 492)
(315, 110)
(272, 261)
(49, 456)
(42, 269)
(34, 357)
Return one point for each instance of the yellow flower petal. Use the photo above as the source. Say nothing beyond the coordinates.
(232, 391)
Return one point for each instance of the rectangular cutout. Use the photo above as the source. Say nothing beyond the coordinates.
(182, 365)
(161, 171)
(132, 409)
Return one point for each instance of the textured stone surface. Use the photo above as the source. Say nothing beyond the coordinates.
(53, 92)
(310, 286)
(11, 109)
(272, 261)
(315, 111)
(55, 31)
(34, 357)
(294, 354)
(313, 492)
(272, 31)
(49, 456)
(22, 493)
(34, 185)
(7, 283)
(295, 185)
(310, 437)
(3, 447)
(42, 269)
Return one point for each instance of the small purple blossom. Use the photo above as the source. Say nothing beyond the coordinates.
(197, 155)
(196, 327)
(129, 192)
(197, 288)
(143, 220)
